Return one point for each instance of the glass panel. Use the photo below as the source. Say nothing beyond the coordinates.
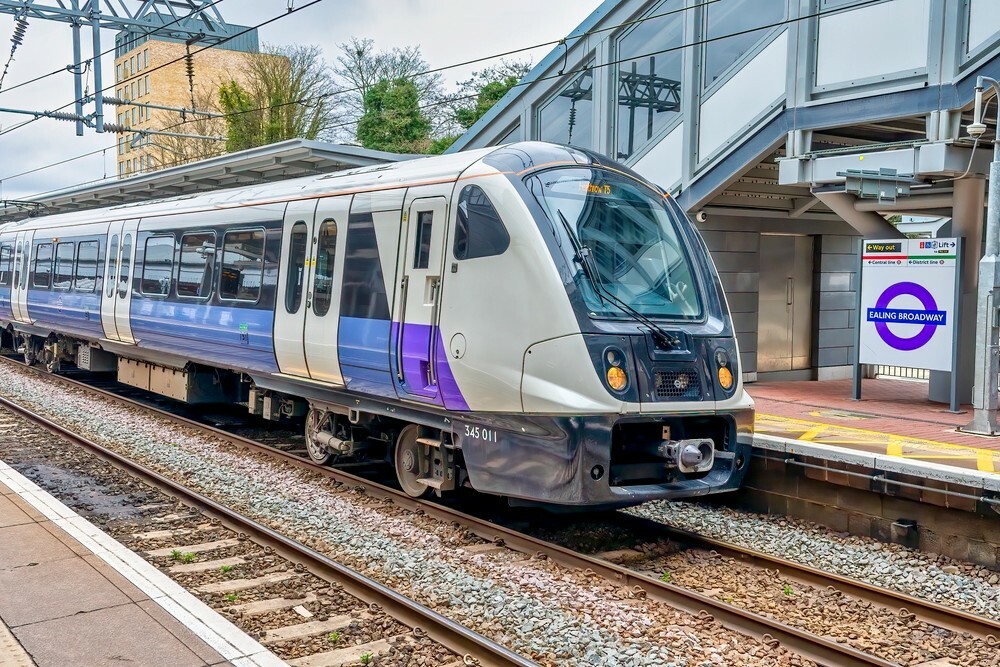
(649, 87)
(18, 258)
(569, 116)
(422, 251)
(512, 135)
(299, 241)
(242, 265)
(157, 265)
(194, 277)
(112, 263)
(735, 16)
(6, 264)
(326, 249)
(86, 267)
(479, 232)
(628, 239)
(63, 278)
(43, 265)
(124, 266)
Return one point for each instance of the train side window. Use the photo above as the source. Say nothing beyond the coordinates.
(6, 264)
(194, 277)
(326, 249)
(157, 266)
(41, 276)
(112, 265)
(242, 265)
(422, 251)
(124, 266)
(298, 243)
(62, 278)
(85, 279)
(480, 231)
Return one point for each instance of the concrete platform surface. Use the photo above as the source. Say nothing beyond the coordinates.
(894, 418)
(64, 602)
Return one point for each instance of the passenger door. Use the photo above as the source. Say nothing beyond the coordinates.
(417, 312)
(22, 271)
(307, 313)
(116, 302)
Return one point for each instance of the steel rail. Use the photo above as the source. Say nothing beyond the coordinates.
(478, 649)
(934, 613)
(769, 631)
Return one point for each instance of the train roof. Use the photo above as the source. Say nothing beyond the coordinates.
(380, 176)
(510, 158)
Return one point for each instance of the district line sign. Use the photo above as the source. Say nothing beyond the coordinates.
(908, 306)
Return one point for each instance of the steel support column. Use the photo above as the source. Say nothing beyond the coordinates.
(967, 222)
(77, 76)
(95, 23)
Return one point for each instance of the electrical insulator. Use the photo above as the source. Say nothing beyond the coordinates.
(20, 27)
(115, 127)
(62, 115)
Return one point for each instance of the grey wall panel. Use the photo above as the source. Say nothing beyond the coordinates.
(837, 243)
(736, 262)
(834, 319)
(835, 356)
(742, 302)
(835, 338)
(745, 323)
(740, 282)
(837, 300)
(839, 281)
(838, 262)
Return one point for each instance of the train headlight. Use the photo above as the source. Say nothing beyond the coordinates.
(725, 373)
(617, 378)
(725, 378)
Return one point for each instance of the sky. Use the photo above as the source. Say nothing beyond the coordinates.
(447, 32)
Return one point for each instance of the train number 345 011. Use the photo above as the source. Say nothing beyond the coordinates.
(481, 433)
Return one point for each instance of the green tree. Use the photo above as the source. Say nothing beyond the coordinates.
(478, 94)
(360, 67)
(284, 94)
(392, 120)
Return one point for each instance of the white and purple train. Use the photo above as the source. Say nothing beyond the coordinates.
(533, 321)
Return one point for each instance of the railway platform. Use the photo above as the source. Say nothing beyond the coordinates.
(893, 419)
(71, 595)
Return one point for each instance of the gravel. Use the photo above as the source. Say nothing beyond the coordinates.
(892, 566)
(552, 615)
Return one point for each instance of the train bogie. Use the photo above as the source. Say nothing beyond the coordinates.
(531, 321)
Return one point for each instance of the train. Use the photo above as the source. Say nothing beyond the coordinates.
(533, 321)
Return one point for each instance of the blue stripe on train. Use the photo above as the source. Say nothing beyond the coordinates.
(223, 336)
(363, 349)
(6, 311)
(71, 312)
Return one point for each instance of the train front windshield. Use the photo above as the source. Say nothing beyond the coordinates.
(623, 241)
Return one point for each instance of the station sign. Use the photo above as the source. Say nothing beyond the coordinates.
(908, 307)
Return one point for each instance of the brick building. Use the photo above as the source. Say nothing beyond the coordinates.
(154, 70)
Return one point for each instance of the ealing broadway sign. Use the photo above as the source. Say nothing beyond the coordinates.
(908, 289)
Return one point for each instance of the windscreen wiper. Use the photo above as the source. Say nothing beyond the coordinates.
(584, 258)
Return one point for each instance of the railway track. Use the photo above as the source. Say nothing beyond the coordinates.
(821, 650)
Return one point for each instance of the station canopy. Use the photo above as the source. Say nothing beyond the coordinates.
(284, 160)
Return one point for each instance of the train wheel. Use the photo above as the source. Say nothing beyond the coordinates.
(408, 462)
(315, 421)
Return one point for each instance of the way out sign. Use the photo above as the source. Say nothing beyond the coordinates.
(908, 306)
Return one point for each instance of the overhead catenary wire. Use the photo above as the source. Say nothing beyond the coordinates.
(146, 33)
(176, 60)
(473, 61)
(582, 69)
(495, 56)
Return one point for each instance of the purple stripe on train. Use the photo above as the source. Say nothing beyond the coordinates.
(416, 378)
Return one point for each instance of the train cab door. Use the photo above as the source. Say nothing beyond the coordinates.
(419, 290)
(307, 313)
(116, 301)
(22, 271)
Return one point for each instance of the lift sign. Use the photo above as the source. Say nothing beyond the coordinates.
(908, 301)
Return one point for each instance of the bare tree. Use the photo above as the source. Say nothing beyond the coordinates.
(284, 94)
(167, 151)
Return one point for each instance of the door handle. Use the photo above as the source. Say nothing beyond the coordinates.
(789, 291)
(399, 335)
(431, 347)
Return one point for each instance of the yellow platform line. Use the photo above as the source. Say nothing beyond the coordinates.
(986, 459)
